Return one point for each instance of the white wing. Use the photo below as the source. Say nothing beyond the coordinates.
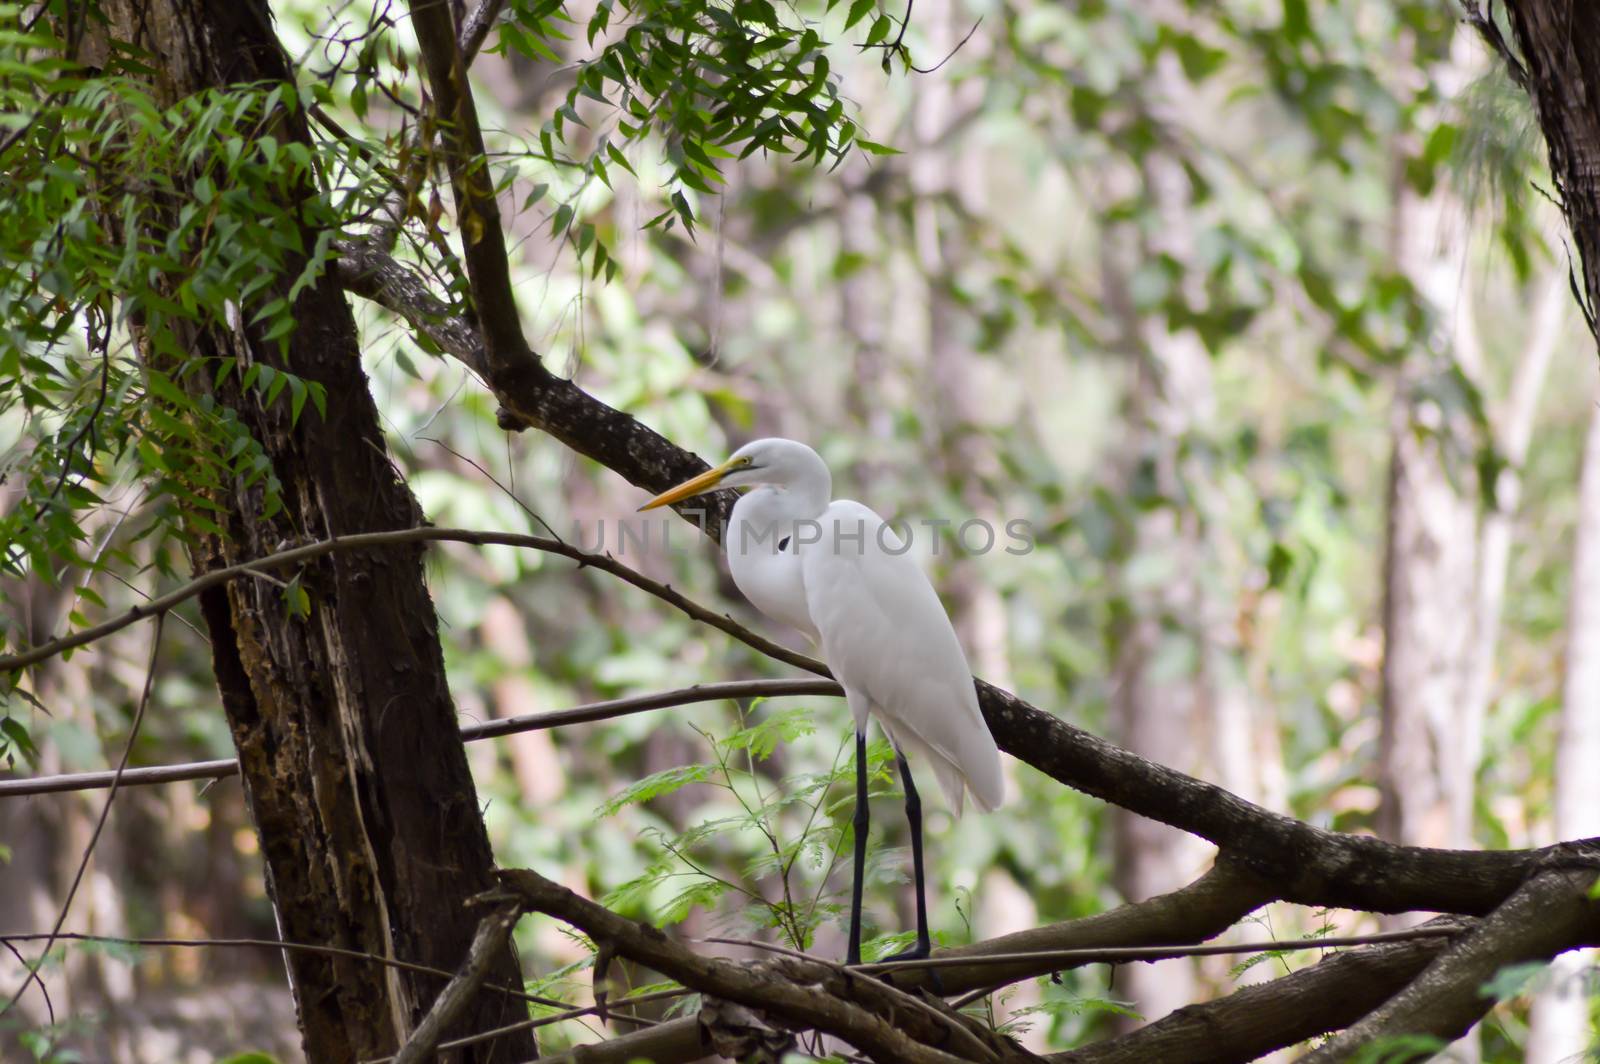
(886, 634)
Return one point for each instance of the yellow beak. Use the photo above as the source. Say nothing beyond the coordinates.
(694, 486)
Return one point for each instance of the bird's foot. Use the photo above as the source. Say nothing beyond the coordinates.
(918, 951)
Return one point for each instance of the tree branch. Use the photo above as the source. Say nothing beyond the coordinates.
(878, 1019)
(1305, 864)
(584, 714)
(477, 210)
(1549, 914)
(1256, 1020)
(1483, 22)
(458, 993)
(476, 29)
(533, 397)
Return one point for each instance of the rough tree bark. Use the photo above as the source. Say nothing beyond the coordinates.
(352, 761)
(1559, 41)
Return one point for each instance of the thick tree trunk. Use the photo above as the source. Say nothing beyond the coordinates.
(352, 763)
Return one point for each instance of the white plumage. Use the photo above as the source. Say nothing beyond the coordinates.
(834, 571)
(887, 638)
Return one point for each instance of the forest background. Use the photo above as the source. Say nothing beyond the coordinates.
(1265, 319)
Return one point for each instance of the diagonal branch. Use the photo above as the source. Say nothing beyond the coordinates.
(1551, 913)
(1256, 1020)
(1305, 864)
(453, 1000)
(477, 210)
(1483, 22)
(532, 397)
(881, 1021)
(494, 729)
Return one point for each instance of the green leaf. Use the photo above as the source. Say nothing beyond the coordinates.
(875, 148)
(655, 786)
(858, 11)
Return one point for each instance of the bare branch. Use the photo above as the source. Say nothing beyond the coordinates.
(876, 1018)
(272, 943)
(533, 397)
(1305, 864)
(1549, 914)
(477, 211)
(1483, 22)
(454, 998)
(1256, 1020)
(477, 27)
(361, 541)
(100, 824)
(584, 714)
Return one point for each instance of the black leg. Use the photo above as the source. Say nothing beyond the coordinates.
(853, 956)
(924, 944)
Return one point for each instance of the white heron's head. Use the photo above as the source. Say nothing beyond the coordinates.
(772, 462)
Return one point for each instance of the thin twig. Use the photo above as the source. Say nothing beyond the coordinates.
(99, 826)
(584, 714)
(1483, 22)
(400, 536)
(487, 944)
(271, 943)
(1117, 954)
(560, 1017)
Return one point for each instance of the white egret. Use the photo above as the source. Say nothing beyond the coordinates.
(835, 571)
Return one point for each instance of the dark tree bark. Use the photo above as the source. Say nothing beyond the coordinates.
(352, 762)
(1560, 67)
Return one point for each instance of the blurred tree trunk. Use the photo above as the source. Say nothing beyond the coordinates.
(1512, 425)
(352, 761)
(1429, 579)
(1427, 761)
(1160, 699)
(1560, 1029)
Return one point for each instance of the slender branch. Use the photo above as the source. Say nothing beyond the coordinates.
(490, 938)
(1256, 1020)
(1075, 958)
(477, 211)
(361, 541)
(1483, 22)
(560, 1017)
(272, 943)
(1549, 914)
(584, 714)
(100, 824)
(477, 27)
(807, 994)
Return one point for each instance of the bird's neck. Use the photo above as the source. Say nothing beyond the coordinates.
(769, 505)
